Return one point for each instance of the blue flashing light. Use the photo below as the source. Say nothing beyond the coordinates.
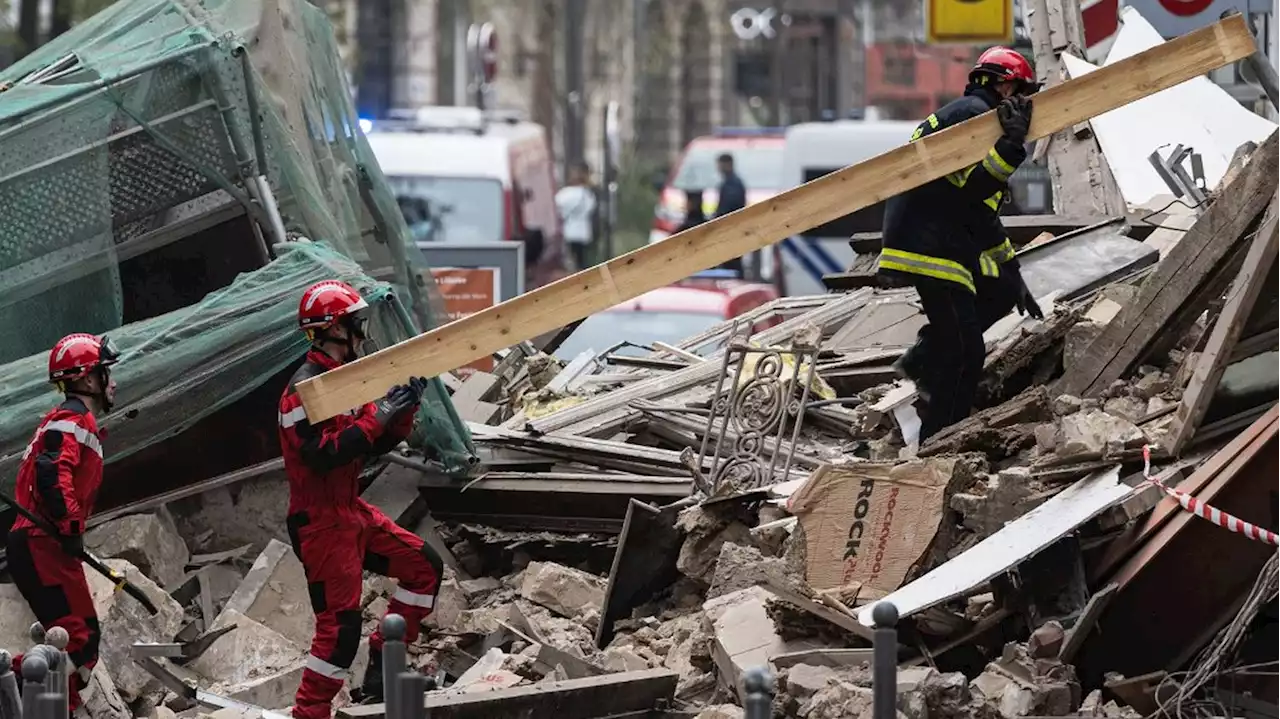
(366, 125)
(749, 131)
(716, 274)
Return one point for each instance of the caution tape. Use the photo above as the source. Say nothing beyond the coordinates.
(1206, 512)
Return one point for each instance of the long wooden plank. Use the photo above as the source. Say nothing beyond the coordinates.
(1217, 353)
(1189, 265)
(765, 223)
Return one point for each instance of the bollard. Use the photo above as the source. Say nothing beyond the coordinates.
(34, 671)
(884, 661)
(10, 701)
(412, 687)
(393, 663)
(47, 706)
(58, 638)
(36, 633)
(757, 685)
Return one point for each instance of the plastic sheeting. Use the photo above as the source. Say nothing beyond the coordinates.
(1196, 114)
(147, 116)
(182, 366)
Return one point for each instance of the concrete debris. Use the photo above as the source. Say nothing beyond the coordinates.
(705, 534)
(1093, 706)
(451, 602)
(124, 621)
(1089, 434)
(1046, 641)
(721, 711)
(251, 652)
(480, 587)
(739, 567)
(1003, 497)
(1018, 685)
(149, 542)
(222, 519)
(622, 659)
(565, 591)
(744, 636)
(15, 620)
(274, 594)
(100, 698)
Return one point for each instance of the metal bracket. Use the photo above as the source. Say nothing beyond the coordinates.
(1190, 185)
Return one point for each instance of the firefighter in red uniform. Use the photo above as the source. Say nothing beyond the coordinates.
(58, 480)
(334, 532)
(945, 238)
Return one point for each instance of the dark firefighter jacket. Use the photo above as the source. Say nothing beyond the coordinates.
(949, 229)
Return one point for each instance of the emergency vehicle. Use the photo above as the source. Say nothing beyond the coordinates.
(461, 174)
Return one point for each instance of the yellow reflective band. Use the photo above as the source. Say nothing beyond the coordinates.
(933, 121)
(1002, 252)
(926, 266)
(993, 202)
(961, 177)
(999, 162)
(988, 266)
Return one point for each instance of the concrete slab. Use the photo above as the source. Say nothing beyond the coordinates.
(274, 593)
(101, 700)
(147, 541)
(125, 621)
(251, 652)
(744, 635)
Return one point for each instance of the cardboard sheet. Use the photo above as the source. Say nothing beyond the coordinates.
(870, 522)
(1014, 543)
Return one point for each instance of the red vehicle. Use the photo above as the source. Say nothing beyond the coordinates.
(757, 158)
(671, 314)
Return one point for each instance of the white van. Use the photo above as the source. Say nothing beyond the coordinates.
(814, 149)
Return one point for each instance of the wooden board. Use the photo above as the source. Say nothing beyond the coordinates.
(765, 223)
(1195, 259)
(621, 694)
(1217, 353)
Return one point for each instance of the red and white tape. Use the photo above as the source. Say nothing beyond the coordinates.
(1204, 511)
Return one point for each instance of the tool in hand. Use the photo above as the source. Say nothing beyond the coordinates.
(94, 563)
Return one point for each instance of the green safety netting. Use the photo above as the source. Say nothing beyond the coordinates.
(154, 121)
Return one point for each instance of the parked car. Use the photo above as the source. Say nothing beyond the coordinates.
(671, 314)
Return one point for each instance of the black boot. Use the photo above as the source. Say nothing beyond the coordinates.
(371, 690)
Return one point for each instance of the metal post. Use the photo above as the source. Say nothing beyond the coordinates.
(1261, 66)
(884, 661)
(34, 672)
(58, 639)
(757, 684)
(10, 702)
(47, 706)
(393, 663)
(412, 687)
(575, 96)
(36, 633)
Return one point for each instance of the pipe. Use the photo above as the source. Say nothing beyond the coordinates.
(1261, 66)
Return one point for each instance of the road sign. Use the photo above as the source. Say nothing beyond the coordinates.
(1172, 18)
(969, 22)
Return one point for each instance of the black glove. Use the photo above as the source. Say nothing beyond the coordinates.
(1025, 302)
(418, 385)
(1015, 118)
(397, 400)
(72, 544)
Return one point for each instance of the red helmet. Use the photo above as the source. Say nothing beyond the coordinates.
(79, 354)
(1003, 63)
(324, 303)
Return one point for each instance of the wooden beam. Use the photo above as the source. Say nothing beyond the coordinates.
(618, 694)
(1217, 353)
(765, 223)
(1164, 295)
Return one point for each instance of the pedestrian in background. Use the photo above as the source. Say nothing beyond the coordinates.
(576, 205)
(693, 214)
(732, 197)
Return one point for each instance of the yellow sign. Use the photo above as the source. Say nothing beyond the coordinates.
(969, 22)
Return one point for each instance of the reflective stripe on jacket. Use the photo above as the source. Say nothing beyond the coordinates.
(949, 228)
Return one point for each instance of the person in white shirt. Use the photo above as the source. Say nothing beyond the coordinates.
(576, 205)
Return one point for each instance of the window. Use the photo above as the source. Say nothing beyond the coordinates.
(457, 209)
(900, 69)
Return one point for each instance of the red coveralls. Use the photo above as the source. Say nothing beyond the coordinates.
(59, 479)
(336, 535)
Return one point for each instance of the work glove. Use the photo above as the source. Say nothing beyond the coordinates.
(1015, 118)
(1024, 300)
(418, 385)
(397, 399)
(72, 544)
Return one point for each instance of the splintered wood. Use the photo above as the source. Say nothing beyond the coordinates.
(765, 223)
